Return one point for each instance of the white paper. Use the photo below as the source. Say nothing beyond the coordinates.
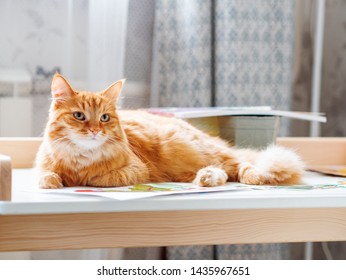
(160, 189)
(146, 190)
(235, 111)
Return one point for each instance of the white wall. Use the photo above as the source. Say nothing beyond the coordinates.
(35, 33)
(85, 39)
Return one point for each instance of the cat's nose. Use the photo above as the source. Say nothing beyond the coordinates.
(94, 131)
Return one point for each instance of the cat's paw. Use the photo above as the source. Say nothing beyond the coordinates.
(210, 177)
(251, 175)
(50, 180)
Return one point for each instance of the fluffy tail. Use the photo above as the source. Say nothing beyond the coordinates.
(274, 165)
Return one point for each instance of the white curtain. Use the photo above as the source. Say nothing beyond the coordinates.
(106, 42)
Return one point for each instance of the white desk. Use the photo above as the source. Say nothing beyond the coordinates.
(36, 221)
(25, 199)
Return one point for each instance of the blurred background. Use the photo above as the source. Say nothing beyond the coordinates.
(173, 53)
(177, 53)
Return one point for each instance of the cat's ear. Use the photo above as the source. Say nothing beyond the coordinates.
(114, 90)
(61, 89)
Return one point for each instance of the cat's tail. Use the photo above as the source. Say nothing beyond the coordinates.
(275, 165)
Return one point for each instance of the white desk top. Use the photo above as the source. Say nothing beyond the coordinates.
(25, 201)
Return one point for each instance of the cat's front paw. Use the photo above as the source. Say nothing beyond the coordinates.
(50, 180)
(250, 175)
(210, 177)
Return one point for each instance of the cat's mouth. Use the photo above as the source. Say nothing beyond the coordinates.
(88, 142)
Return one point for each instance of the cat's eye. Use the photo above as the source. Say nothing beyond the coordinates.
(105, 118)
(79, 116)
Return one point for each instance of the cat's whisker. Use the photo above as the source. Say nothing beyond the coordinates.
(64, 138)
(120, 145)
(111, 141)
(114, 140)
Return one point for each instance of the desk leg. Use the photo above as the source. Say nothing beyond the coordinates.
(5, 178)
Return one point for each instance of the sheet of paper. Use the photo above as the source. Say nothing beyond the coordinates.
(201, 112)
(160, 189)
(146, 190)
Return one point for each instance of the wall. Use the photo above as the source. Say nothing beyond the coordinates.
(44, 33)
(333, 83)
(35, 33)
(333, 100)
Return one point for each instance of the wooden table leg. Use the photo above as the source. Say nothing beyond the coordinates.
(5, 178)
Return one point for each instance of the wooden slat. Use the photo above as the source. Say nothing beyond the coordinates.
(318, 151)
(5, 178)
(21, 150)
(170, 228)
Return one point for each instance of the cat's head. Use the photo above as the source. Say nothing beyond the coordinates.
(86, 119)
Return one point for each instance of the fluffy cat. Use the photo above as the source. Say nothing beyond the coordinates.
(88, 142)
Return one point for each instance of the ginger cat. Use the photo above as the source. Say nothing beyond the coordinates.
(88, 142)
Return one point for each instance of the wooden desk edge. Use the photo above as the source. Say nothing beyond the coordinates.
(170, 228)
(21, 150)
(319, 150)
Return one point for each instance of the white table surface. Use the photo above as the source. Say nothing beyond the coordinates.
(27, 201)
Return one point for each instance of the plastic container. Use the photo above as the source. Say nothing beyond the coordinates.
(209, 125)
(249, 131)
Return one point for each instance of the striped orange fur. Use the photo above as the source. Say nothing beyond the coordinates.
(89, 142)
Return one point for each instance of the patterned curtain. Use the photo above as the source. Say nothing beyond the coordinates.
(254, 52)
(224, 53)
(182, 53)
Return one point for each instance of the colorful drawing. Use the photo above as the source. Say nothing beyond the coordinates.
(160, 187)
(178, 187)
(148, 188)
